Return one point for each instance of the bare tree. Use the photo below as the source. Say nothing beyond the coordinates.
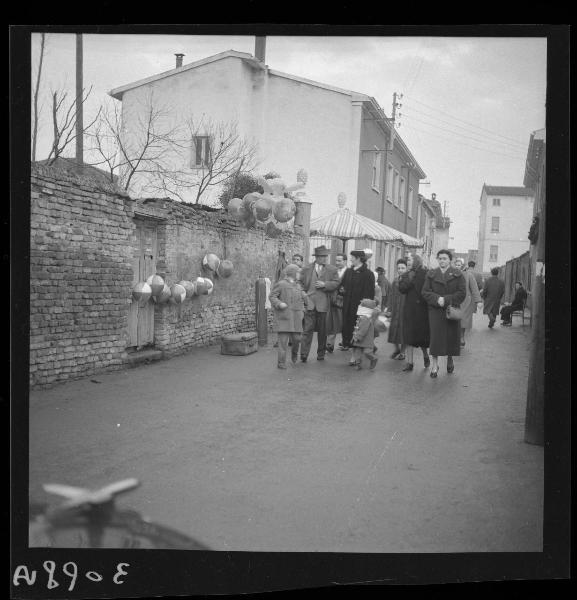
(35, 112)
(210, 154)
(144, 147)
(64, 122)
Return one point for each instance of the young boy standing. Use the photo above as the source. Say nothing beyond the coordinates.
(288, 301)
(364, 334)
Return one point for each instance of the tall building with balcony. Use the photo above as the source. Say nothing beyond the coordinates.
(505, 218)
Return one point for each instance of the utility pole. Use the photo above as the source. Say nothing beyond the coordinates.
(79, 115)
(393, 118)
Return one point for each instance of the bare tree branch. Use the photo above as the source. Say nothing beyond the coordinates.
(36, 113)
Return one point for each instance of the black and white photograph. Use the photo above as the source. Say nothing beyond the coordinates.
(287, 294)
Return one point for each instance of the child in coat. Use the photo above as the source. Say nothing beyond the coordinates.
(288, 301)
(364, 334)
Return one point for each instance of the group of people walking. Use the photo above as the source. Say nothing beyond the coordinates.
(429, 309)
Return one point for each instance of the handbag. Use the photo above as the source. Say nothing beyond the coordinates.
(454, 313)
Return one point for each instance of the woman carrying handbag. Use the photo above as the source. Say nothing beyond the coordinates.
(444, 290)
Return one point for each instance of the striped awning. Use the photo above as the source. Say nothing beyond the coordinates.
(347, 225)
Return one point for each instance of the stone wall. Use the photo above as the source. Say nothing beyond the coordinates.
(82, 247)
(80, 275)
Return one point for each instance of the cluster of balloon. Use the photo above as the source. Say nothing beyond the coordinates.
(269, 207)
(141, 292)
(225, 268)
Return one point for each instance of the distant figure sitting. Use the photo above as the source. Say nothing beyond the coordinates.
(363, 340)
(517, 304)
(492, 292)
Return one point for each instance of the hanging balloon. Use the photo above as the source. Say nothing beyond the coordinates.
(211, 261)
(284, 210)
(141, 292)
(201, 286)
(156, 282)
(163, 296)
(262, 208)
(225, 268)
(189, 287)
(178, 293)
(210, 286)
(236, 209)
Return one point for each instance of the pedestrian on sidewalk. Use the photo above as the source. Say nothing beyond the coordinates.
(444, 287)
(385, 286)
(394, 310)
(335, 312)
(471, 301)
(493, 290)
(358, 283)
(363, 340)
(478, 277)
(517, 304)
(415, 312)
(319, 280)
(288, 302)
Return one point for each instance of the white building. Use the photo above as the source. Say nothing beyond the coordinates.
(504, 222)
(297, 123)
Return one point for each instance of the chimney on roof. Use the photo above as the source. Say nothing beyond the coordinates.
(433, 196)
(179, 60)
(260, 48)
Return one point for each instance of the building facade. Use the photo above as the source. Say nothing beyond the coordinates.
(342, 138)
(505, 217)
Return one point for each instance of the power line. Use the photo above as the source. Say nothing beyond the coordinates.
(451, 139)
(463, 121)
(459, 134)
(517, 145)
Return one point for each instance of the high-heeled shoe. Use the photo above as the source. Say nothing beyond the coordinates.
(408, 367)
(433, 374)
(450, 366)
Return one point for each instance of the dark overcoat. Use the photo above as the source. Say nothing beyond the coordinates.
(289, 319)
(445, 333)
(493, 290)
(357, 284)
(415, 312)
(396, 306)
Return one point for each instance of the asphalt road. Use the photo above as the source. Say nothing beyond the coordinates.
(243, 456)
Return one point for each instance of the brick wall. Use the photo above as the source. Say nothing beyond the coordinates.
(80, 275)
(183, 240)
(83, 240)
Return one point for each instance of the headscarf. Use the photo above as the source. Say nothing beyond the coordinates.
(417, 262)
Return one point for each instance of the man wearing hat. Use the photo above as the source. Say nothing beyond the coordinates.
(318, 280)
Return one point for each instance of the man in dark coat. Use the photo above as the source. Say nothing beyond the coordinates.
(444, 286)
(318, 280)
(517, 304)
(493, 290)
(358, 283)
(478, 277)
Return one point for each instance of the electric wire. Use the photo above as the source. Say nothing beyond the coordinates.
(463, 121)
(517, 145)
(461, 135)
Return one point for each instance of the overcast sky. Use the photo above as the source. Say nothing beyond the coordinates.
(469, 105)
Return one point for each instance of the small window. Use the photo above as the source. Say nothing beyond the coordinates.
(200, 151)
(494, 224)
(396, 188)
(493, 253)
(390, 182)
(402, 194)
(496, 201)
(411, 200)
(376, 183)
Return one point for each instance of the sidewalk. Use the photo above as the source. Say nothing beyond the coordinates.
(243, 456)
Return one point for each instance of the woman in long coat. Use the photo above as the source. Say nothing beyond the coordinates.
(395, 306)
(358, 283)
(473, 297)
(444, 287)
(415, 313)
